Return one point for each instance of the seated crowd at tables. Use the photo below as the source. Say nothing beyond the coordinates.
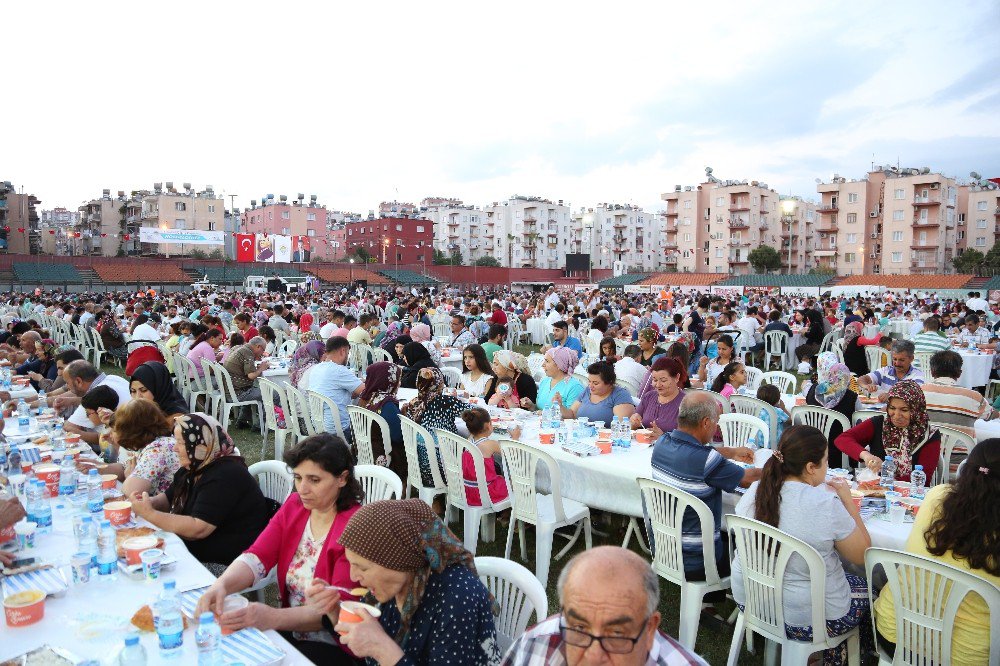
(183, 474)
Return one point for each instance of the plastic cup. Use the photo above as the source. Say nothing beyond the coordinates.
(349, 611)
(25, 534)
(49, 474)
(24, 608)
(605, 447)
(896, 514)
(16, 482)
(109, 481)
(118, 513)
(857, 496)
(80, 565)
(233, 602)
(135, 546)
(546, 437)
(151, 561)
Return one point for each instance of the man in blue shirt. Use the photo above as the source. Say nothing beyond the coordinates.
(335, 380)
(883, 379)
(685, 460)
(561, 338)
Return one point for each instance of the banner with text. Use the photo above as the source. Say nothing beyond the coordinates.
(186, 236)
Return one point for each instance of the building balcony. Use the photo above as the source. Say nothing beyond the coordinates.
(737, 261)
(672, 245)
(829, 229)
(825, 252)
(672, 259)
(765, 211)
(926, 223)
(739, 243)
(621, 223)
(530, 219)
(674, 213)
(924, 247)
(738, 223)
(828, 208)
(739, 207)
(785, 234)
(927, 201)
(150, 214)
(553, 244)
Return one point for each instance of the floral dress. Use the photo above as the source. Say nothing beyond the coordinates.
(300, 576)
(157, 463)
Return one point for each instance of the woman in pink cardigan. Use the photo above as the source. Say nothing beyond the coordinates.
(206, 346)
(301, 541)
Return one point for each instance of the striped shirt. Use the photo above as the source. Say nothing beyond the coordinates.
(980, 337)
(885, 378)
(681, 461)
(930, 342)
(950, 404)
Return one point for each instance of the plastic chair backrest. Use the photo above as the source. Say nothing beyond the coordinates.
(763, 553)
(521, 465)
(827, 342)
(753, 377)
(864, 414)
(362, 424)
(922, 361)
(318, 406)
(877, 357)
(517, 593)
(274, 478)
(927, 595)
(744, 404)
(775, 343)
(718, 397)
(452, 377)
(742, 429)
(268, 391)
(452, 449)
(379, 354)
(628, 385)
(785, 381)
(300, 420)
(819, 417)
(951, 438)
(665, 507)
(379, 483)
(412, 430)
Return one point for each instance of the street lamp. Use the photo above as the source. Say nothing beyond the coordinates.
(787, 210)
(351, 260)
(588, 223)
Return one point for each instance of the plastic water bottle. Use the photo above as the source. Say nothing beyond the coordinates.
(207, 637)
(42, 404)
(86, 538)
(133, 654)
(5, 377)
(169, 622)
(23, 416)
(43, 510)
(95, 495)
(3, 457)
(31, 500)
(67, 476)
(554, 415)
(888, 473)
(107, 554)
(918, 481)
(14, 460)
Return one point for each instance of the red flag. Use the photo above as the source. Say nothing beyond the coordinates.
(245, 247)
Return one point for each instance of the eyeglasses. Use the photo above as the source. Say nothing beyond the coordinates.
(610, 644)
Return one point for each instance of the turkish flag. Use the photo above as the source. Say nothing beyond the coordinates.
(245, 245)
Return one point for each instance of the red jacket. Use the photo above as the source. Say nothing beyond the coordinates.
(868, 433)
(276, 546)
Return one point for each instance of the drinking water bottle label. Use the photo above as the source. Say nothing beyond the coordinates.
(170, 641)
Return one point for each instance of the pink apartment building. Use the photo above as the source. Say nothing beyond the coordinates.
(297, 218)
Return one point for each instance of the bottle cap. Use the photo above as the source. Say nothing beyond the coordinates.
(920, 467)
(131, 640)
(92, 472)
(206, 618)
(169, 584)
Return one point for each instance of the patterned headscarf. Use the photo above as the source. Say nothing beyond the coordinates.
(565, 359)
(309, 336)
(833, 380)
(430, 385)
(304, 358)
(915, 434)
(512, 360)
(852, 331)
(649, 335)
(420, 333)
(48, 347)
(405, 535)
(259, 319)
(381, 384)
(206, 442)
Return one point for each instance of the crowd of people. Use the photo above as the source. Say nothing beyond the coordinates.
(641, 358)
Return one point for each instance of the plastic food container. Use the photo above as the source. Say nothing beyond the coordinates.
(349, 611)
(109, 481)
(24, 608)
(135, 546)
(118, 513)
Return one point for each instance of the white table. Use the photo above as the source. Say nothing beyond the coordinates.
(900, 328)
(794, 341)
(976, 368)
(453, 360)
(109, 602)
(28, 393)
(537, 330)
(987, 429)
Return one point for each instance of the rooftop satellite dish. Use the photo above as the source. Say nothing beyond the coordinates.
(170, 186)
(283, 198)
(975, 174)
(925, 170)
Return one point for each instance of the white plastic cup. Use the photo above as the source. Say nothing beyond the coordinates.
(151, 559)
(25, 532)
(896, 514)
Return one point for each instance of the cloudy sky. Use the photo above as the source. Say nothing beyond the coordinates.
(588, 102)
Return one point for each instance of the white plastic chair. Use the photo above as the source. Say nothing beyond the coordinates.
(827, 343)
(452, 377)
(922, 361)
(269, 391)
(452, 449)
(927, 595)
(775, 346)
(822, 419)
(319, 404)
(754, 376)
(864, 414)
(951, 439)
(379, 483)
(227, 401)
(628, 385)
(545, 512)
(744, 404)
(362, 423)
(743, 429)
(785, 381)
(723, 401)
(287, 348)
(412, 430)
(276, 483)
(877, 357)
(378, 354)
(300, 422)
(763, 553)
(665, 507)
(518, 594)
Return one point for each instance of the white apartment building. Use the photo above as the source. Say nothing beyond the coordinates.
(457, 226)
(895, 221)
(621, 237)
(168, 208)
(978, 225)
(101, 224)
(796, 221)
(714, 226)
(527, 232)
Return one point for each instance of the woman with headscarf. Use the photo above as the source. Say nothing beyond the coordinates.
(422, 333)
(416, 357)
(558, 383)
(647, 343)
(379, 396)
(854, 348)
(832, 390)
(213, 504)
(396, 348)
(434, 609)
(43, 366)
(392, 331)
(904, 433)
(111, 335)
(152, 381)
(514, 380)
(304, 358)
(432, 409)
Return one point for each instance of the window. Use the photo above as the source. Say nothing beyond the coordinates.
(852, 218)
(961, 218)
(897, 257)
(687, 221)
(923, 214)
(687, 238)
(350, 232)
(961, 235)
(183, 206)
(211, 208)
(980, 241)
(211, 226)
(270, 214)
(899, 194)
(399, 227)
(852, 197)
(180, 224)
(687, 203)
(981, 223)
(981, 205)
(852, 239)
(897, 235)
(897, 216)
(833, 240)
(718, 253)
(849, 257)
(285, 215)
(284, 231)
(311, 217)
(420, 230)
(310, 232)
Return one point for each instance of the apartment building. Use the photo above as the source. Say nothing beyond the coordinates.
(714, 226)
(978, 215)
(101, 226)
(18, 220)
(299, 217)
(59, 217)
(397, 241)
(895, 221)
(457, 226)
(527, 232)
(796, 224)
(621, 237)
(57, 226)
(169, 208)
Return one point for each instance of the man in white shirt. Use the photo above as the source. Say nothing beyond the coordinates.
(973, 332)
(335, 380)
(977, 303)
(551, 299)
(80, 378)
(555, 315)
(628, 366)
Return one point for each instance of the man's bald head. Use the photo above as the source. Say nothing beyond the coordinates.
(611, 568)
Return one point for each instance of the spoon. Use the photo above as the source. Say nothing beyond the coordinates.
(356, 592)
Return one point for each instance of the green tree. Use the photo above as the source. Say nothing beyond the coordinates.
(216, 254)
(362, 255)
(764, 259)
(968, 261)
(992, 258)
(487, 261)
(198, 254)
(440, 258)
(822, 271)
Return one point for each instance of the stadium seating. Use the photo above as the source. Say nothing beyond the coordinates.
(686, 279)
(340, 275)
(408, 277)
(236, 273)
(933, 282)
(37, 274)
(622, 280)
(775, 280)
(147, 271)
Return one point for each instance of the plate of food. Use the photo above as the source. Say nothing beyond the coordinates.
(45, 655)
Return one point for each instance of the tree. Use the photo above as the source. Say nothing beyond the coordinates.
(362, 255)
(969, 261)
(487, 261)
(440, 258)
(456, 257)
(823, 270)
(198, 254)
(764, 259)
(216, 254)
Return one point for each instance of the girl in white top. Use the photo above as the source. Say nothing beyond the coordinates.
(794, 496)
(709, 369)
(478, 376)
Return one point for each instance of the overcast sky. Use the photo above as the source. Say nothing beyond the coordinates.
(360, 102)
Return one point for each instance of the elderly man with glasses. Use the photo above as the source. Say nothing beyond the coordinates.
(608, 598)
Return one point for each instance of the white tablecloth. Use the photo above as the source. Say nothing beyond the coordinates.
(453, 360)
(976, 369)
(900, 328)
(109, 602)
(987, 429)
(791, 363)
(537, 330)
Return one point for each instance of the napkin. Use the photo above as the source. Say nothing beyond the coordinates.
(49, 581)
